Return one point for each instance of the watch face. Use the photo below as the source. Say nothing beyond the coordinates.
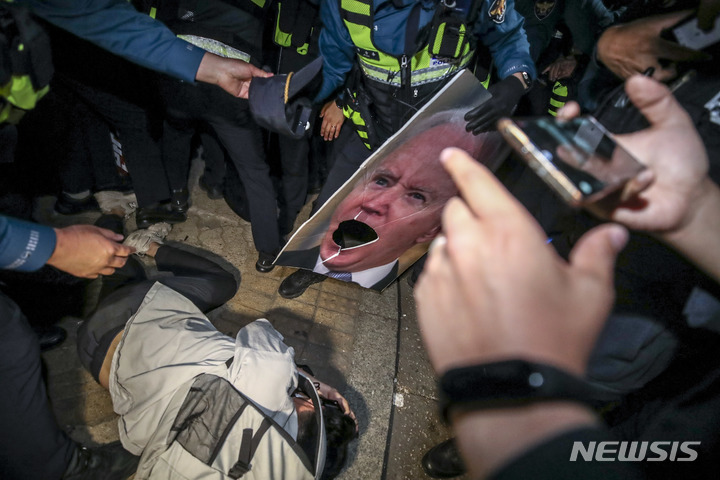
(526, 77)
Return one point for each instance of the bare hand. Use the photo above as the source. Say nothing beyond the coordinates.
(88, 251)
(230, 74)
(495, 290)
(330, 393)
(333, 119)
(561, 68)
(634, 47)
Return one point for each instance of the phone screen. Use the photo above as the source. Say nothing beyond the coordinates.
(578, 157)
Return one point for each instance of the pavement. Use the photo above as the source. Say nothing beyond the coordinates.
(365, 343)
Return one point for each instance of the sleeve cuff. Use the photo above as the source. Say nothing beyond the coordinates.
(26, 246)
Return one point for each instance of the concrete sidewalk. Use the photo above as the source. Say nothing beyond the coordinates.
(365, 343)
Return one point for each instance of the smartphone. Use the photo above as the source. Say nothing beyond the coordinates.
(578, 158)
(687, 33)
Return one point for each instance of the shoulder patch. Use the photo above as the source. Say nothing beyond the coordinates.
(497, 11)
(543, 8)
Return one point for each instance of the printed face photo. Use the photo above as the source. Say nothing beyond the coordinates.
(383, 219)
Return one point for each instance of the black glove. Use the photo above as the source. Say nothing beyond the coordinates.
(505, 95)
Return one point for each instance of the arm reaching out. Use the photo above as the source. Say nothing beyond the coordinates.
(88, 251)
(230, 74)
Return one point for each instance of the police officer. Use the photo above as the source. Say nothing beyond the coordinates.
(393, 56)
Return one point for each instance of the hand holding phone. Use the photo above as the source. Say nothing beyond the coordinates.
(577, 158)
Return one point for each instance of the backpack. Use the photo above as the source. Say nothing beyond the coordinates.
(218, 433)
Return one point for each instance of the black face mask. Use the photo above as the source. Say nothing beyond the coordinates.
(353, 234)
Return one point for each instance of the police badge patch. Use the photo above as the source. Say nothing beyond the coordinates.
(497, 11)
(543, 8)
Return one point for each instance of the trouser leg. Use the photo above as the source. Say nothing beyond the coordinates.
(214, 157)
(199, 279)
(244, 146)
(294, 159)
(32, 446)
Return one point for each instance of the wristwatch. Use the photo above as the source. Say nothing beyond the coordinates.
(509, 383)
(526, 79)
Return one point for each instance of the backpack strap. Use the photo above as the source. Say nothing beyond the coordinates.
(248, 447)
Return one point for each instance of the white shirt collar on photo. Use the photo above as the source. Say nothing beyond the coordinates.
(366, 278)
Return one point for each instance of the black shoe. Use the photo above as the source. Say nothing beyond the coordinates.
(443, 461)
(180, 200)
(296, 283)
(67, 205)
(50, 337)
(213, 191)
(144, 217)
(109, 462)
(264, 262)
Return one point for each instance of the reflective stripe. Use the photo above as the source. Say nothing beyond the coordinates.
(20, 93)
(357, 6)
(384, 68)
(281, 38)
(218, 48)
(359, 123)
(418, 76)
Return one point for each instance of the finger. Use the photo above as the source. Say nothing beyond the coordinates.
(570, 110)
(123, 250)
(707, 13)
(337, 132)
(636, 185)
(259, 72)
(674, 51)
(117, 262)
(481, 122)
(596, 251)
(483, 193)
(464, 233)
(655, 101)
(105, 271)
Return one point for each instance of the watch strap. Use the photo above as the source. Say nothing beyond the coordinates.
(509, 383)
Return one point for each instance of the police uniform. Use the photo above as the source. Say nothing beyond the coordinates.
(397, 70)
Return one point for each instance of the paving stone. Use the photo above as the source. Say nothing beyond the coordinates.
(338, 321)
(414, 431)
(342, 289)
(338, 304)
(252, 299)
(324, 335)
(414, 369)
(383, 304)
(304, 310)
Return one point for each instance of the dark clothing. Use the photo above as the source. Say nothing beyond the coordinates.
(230, 118)
(348, 154)
(32, 446)
(199, 279)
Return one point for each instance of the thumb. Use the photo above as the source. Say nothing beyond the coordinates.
(596, 251)
(655, 101)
